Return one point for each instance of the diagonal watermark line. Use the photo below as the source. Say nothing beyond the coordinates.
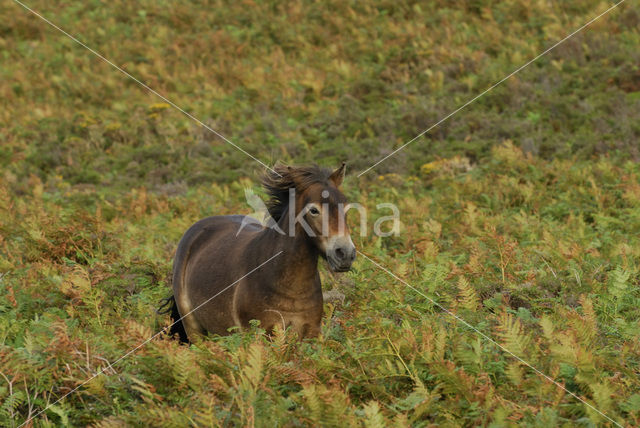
(488, 338)
(122, 357)
(156, 93)
(492, 87)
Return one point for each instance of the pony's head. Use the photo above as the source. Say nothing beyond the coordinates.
(319, 209)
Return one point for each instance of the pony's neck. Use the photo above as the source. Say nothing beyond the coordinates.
(298, 268)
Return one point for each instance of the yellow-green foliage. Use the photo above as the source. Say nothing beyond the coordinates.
(520, 214)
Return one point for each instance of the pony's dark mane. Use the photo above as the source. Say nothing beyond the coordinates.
(278, 182)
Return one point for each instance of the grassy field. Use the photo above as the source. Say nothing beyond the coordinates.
(520, 214)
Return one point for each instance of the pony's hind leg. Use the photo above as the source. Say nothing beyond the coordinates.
(169, 306)
(190, 324)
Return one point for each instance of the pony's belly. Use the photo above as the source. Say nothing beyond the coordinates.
(302, 314)
(305, 324)
(304, 317)
(212, 316)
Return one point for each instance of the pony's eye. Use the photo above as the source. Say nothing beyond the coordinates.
(314, 211)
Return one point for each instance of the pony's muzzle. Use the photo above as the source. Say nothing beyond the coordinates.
(341, 254)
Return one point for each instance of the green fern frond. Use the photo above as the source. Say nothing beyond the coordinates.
(181, 363)
(586, 326)
(619, 282)
(252, 371)
(313, 403)
(467, 296)
(547, 327)
(206, 416)
(10, 405)
(603, 396)
(512, 335)
(373, 418)
(515, 373)
(434, 275)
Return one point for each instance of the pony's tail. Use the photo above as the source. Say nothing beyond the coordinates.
(168, 306)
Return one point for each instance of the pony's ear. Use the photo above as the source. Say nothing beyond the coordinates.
(338, 175)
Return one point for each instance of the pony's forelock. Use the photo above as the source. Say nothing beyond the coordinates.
(278, 181)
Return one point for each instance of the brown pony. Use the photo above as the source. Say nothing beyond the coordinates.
(268, 274)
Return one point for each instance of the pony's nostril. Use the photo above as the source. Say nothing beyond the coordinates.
(340, 253)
